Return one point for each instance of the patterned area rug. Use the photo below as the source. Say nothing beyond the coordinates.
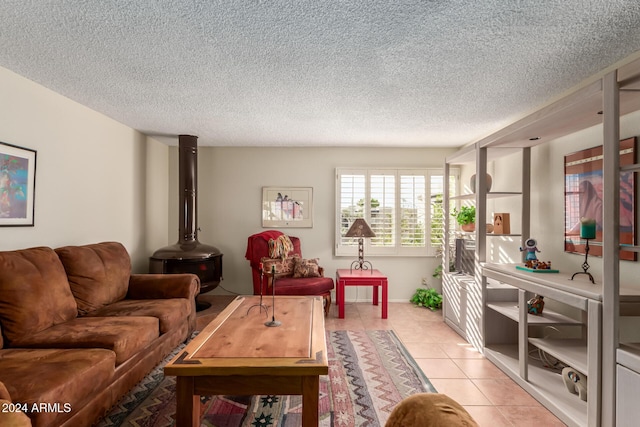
(369, 373)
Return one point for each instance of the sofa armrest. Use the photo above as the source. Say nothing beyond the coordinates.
(4, 393)
(8, 416)
(162, 286)
(11, 418)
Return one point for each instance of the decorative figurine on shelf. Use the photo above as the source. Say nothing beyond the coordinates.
(535, 305)
(575, 382)
(531, 262)
(535, 264)
(531, 248)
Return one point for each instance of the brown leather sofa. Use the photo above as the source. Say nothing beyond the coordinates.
(78, 330)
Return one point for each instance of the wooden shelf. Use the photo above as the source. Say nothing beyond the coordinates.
(630, 168)
(548, 317)
(467, 155)
(492, 284)
(573, 352)
(544, 385)
(490, 195)
(628, 355)
(558, 286)
(630, 248)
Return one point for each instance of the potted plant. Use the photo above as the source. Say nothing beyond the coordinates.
(466, 217)
(429, 298)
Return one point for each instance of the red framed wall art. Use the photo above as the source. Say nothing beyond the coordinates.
(583, 198)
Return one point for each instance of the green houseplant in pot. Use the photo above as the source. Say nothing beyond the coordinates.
(427, 297)
(466, 217)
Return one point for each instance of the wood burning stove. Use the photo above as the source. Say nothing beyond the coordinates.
(188, 255)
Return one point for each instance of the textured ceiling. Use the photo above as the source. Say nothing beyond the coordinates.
(313, 72)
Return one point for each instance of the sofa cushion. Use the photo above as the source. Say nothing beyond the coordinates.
(34, 292)
(55, 376)
(98, 273)
(170, 312)
(124, 335)
(283, 267)
(304, 286)
(306, 268)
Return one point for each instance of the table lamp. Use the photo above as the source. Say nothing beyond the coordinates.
(360, 229)
(587, 231)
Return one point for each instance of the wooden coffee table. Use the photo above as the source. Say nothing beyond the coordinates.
(237, 354)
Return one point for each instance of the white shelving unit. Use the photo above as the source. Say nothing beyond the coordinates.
(621, 361)
(582, 353)
(470, 325)
(496, 321)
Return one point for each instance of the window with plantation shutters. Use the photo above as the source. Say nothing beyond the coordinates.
(413, 211)
(382, 210)
(403, 207)
(351, 196)
(436, 227)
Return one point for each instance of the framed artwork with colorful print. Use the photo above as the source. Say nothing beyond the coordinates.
(583, 198)
(17, 185)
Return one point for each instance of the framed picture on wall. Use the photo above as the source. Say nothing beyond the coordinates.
(17, 185)
(287, 207)
(583, 198)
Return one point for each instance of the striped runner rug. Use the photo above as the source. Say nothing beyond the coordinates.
(369, 373)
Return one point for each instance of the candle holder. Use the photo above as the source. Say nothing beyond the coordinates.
(261, 305)
(273, 322)
(585, 264)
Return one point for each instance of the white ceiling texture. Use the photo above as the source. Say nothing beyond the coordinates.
(404, 73)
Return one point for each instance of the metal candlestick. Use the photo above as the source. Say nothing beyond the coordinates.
(585, 264)
(261, 305)
(273, 322)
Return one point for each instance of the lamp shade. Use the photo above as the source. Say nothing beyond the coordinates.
(360, 228)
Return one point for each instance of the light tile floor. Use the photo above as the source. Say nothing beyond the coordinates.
(450, 363)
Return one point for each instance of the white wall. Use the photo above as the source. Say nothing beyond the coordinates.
(93, 180)
(229, 197)
(98, 180)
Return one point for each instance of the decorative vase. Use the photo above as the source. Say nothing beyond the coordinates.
(468, 227)
(473, 182)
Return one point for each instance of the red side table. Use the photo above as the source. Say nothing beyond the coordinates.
(346, 277)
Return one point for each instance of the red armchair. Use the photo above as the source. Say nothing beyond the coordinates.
(286, 283)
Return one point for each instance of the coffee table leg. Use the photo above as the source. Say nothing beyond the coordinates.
(310, 397)
(187, 403)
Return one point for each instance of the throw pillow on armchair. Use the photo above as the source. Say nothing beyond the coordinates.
(306, 268)
(283, 267)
